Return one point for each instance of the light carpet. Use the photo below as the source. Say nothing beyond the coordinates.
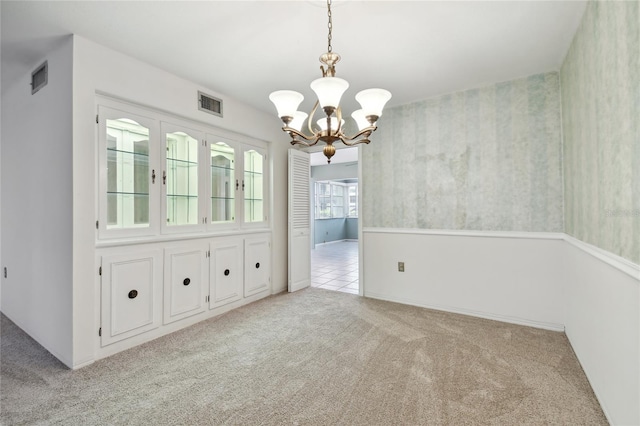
(314, 357)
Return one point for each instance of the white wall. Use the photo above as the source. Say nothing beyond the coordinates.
(511, 277)
(602, 320)
(37, 203)
(99, 69)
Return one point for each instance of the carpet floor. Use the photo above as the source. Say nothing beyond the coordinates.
(315, 357)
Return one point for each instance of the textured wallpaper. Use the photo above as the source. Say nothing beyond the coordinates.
(482, 159)
(600, 81)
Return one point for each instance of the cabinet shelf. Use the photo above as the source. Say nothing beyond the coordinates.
(127, 152)
(184, 162)
(222, 168)
(127, 193)
(181, 196)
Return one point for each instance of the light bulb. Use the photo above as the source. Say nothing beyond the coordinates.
(298, 120)
(286, 102)
(373, 101)
(361, 119)
(329, 90)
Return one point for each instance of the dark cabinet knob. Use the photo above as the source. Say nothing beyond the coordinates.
(186, 281)
(133, 294)
(257, 265)
(226, 272)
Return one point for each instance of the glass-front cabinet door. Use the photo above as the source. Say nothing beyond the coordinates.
(181, 179)
(127, 174)
(223, 181)
(253, 186)
(170, 177)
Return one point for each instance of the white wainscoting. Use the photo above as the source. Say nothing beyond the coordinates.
(505, 276)
(545, 280)
(602, 321)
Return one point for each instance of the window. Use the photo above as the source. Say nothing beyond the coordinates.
(323, 200)
(336, 199)
(352, 190)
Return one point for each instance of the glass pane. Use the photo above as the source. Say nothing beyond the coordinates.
(353, 201)
(182, 179)
(222, 183)
(127, 174)
(253, 187)
(337, 201)
(323, 200)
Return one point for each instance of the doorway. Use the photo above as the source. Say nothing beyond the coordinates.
(335, 222)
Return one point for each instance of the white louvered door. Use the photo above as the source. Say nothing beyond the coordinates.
(299, 221)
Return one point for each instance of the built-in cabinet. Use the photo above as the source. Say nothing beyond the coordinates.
(182, 232)
(148, 287)
(157, 176)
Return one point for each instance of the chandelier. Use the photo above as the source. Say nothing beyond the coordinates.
(329, 89)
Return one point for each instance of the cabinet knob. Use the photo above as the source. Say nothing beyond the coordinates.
(226, 272)
(257, 265)
(133, 294)
(186, 281)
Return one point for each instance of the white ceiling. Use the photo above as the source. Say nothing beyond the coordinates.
(246, 49)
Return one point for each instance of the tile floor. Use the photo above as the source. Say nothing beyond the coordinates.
(334, 266)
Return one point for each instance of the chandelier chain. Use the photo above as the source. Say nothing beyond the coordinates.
(329, 25)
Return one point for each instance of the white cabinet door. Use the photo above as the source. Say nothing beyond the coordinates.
(131, 294)
(185, 281)
(226, 273)
(257, 265)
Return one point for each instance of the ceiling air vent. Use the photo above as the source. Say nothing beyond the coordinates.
(209, 104)
(39, 77)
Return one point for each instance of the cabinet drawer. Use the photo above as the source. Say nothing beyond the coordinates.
(185, 282)
(131, 294)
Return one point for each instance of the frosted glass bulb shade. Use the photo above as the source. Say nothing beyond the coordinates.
(329, 90)
(334, 123)
(298, 120)
(360, 118)
(372, 101)
(286, 102)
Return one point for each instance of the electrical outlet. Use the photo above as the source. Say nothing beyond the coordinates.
(400, 266)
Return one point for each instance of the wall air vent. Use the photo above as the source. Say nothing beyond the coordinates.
(209, 104)
(39, 77)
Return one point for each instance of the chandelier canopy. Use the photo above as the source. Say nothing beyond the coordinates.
(329, 90)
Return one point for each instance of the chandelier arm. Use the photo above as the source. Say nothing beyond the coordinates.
(303, 143)
(339, 117)
(365, 140)
(366, 132)
(293, 132)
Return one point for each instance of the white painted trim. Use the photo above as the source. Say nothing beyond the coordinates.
(472, 313)
(170, 238)
(620, 263)
(469, 233)
(609, 258)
